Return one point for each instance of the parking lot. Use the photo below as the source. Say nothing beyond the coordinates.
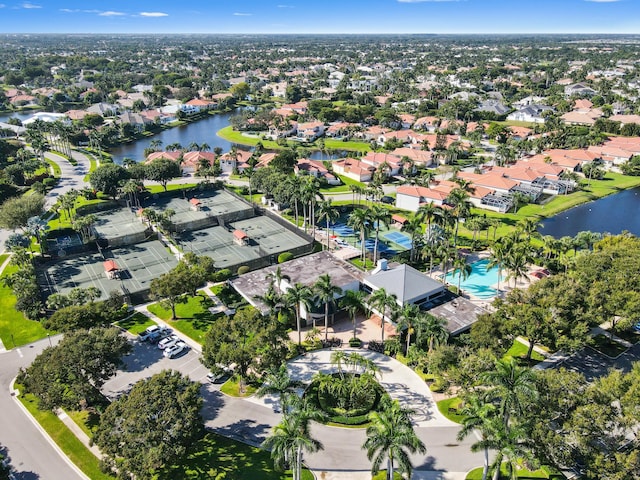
(145, 360)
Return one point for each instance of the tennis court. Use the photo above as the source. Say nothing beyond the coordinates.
(267, 238)
(120, 227)
(400, 239)
(138, 265)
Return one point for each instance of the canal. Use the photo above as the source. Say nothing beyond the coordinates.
(611, 214)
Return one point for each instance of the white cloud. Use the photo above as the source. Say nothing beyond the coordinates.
(153, 14)
(111, 14)
(238, 14)
(2, 5)
(30, 6)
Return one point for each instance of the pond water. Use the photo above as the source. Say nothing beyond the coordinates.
(611, 214)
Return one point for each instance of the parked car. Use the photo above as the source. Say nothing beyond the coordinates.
(168, 342)
(220, 375)
(177, 349)
(387, 199)
(636, 327)
(154, 333)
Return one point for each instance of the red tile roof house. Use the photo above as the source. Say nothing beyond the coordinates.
(376, 160)
(175, 156)
(406, 120)
(405, 136)
(354, 169)
(241, 161)
(372, 133)
(429, 124)
(632, 144)
(191, 161)
(310, 130)
(612, 156)
(410, 197)
(316, 169)
(195, 204)
(21, 100)
(419, 157)
(197, 105)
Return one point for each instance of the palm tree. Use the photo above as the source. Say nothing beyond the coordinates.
(353, 302)
(278, 382)
(516, 262)
(459, 199)
(276, 277)
(479, 419)
(431, 330)
(329, 213)
(296, 296)
(414, 227)
(508, 444)
(498, 255)
(379, 215)
(511, 386)
(380, 300)
(360, 220)
(463, 269)
(406, 320)
(390, 435)
(326, 293)
(427, 212)
(290, 438)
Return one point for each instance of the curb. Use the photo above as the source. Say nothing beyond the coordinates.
(14, 394)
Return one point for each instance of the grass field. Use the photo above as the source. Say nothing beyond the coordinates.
(15, 329)
(232, 388)
(218, 457)
(523, 474)
(519, 350)
(57, 172)
(194, 318)
(135, 324)
(68, 443)
(453, 403)
(237, 137)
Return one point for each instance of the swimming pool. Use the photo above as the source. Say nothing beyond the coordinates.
(480, 281)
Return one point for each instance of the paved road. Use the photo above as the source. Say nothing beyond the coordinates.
(30, 454)
(71, 177)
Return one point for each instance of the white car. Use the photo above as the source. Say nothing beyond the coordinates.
(168, 342)
(176, 350)
(154, 333)
(220, 375)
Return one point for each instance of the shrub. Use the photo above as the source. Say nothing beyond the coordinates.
(375, 346)
(355, 343)
(222, 275)
(285, 257)
(49, 182)
(243, 269)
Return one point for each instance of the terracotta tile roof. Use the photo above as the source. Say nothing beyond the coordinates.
(110, 266)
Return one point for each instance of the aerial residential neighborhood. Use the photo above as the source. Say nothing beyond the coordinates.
(329, 241)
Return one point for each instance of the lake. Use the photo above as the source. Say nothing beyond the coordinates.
(611, 214)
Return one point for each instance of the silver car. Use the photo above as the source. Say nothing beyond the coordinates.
(168, 342)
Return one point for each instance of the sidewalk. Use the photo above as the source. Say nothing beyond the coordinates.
(78, 432)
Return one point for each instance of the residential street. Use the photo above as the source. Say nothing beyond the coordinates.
(30, 453)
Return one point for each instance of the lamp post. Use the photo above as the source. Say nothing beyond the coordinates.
(49, 338)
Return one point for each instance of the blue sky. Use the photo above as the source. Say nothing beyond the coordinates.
(321, 16)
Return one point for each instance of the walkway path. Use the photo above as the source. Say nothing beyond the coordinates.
(79, 433)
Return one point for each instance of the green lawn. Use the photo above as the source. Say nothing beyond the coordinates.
(217, 457)
(136, 323)
(232, 388)
(15, 329)
(57, 172)
(194, 318)
(519, 350)
(228, 133)
(67, 441)
(170, 187)
(453, 403)
(524, 474)
(86, 420)
(229, 296)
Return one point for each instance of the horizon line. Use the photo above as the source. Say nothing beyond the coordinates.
(322, 33)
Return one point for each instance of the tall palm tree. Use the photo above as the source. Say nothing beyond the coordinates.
(390, 435)
(276, 277)
(459, 199)
(516, 262)
(510, 448)
(326, 293)
(353, 302)
(380, 300)
(479, 419)
(329, 213)
(414, 228)
(360, 220)
(463, 269)
(431, 330)
(511, 386)
(379, 216)
(278, 382)
(499, 253)
(407, 319)
(290, 438)
(427, 213)
(296, 296)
